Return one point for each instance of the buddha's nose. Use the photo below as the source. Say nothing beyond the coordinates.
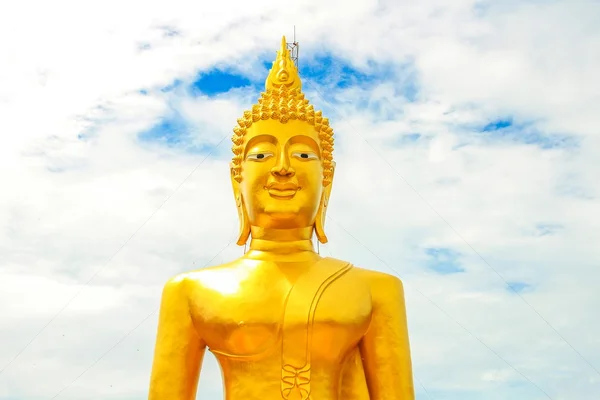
(283, 168)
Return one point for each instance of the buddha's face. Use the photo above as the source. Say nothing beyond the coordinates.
(282, 174)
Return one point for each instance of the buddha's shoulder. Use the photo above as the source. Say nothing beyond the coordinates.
(380, 283)
(205, 278)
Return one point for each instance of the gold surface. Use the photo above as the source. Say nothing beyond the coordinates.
(283, 322)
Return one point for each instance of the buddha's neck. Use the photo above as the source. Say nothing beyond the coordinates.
(285, 245)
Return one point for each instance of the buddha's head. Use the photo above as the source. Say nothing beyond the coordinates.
(282, 168)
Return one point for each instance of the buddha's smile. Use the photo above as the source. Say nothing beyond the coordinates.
(282, 191)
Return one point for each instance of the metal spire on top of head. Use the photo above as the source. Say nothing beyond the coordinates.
(284, 71)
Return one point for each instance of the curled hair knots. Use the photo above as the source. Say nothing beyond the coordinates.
(283, 105)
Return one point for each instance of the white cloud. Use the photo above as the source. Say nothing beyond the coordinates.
(72, 68)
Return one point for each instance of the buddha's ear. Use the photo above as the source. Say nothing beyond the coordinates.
(322, 212)
(244, 230)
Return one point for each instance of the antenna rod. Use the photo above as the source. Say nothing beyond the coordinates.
(294, 49)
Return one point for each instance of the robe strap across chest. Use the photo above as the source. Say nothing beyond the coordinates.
(298, 320)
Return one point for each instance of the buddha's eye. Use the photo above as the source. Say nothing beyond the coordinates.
(305, 155)
(260, 156)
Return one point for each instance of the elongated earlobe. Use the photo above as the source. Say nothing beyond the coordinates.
(320, 221)
(244, 230)
(322, 213)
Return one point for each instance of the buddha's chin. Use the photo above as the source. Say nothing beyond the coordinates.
(283, 210)
(283, 214)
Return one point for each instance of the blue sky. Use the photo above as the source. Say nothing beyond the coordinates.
(526, 133)
(334, 74)
(443, 261)
(326, 70)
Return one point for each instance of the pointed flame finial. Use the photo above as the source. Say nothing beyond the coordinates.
(283, 72)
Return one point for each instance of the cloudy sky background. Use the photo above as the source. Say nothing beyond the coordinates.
(467, 149)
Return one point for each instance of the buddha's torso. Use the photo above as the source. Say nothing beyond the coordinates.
(260, 317)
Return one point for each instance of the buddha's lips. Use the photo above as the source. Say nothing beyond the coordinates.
(286, 190)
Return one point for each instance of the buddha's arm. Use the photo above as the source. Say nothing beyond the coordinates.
(385, 348)
(179, 350)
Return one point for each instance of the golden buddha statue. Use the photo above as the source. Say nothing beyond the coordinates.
(283, 322)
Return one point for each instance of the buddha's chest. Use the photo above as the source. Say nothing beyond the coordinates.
(327, 312)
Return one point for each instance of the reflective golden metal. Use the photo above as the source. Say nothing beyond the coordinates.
(283, 322)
